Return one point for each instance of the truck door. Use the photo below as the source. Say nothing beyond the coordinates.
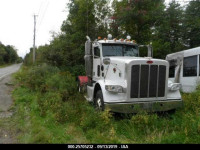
(96, 63)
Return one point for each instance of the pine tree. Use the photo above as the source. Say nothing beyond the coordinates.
(168, 36)
(192, 24)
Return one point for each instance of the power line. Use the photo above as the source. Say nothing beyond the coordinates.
(35, 23)
(43, 14)
(40, 8)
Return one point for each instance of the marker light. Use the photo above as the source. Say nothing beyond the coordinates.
(114, 70)
(128, 37)
(109, 36)
(134, 41)
(105, 39)
(149, 62)
(99, 38)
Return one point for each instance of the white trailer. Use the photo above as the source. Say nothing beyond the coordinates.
(117, 78)
(184, 68)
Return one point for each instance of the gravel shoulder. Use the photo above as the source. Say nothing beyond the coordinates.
(7, 133)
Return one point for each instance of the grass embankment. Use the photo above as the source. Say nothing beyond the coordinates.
(49, 110)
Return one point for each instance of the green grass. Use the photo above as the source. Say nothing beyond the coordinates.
(5, 65)
(54, 117)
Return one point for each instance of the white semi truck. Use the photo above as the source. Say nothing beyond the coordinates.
(118, 79)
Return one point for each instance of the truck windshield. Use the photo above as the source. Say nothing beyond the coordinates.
(119, 50)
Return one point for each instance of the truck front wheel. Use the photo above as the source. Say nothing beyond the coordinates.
(99, 103)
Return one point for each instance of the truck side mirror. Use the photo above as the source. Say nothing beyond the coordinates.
(106, 61)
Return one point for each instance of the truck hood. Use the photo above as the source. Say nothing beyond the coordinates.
(130, 59)
(119, 70)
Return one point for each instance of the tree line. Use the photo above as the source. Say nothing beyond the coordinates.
(170, 28)
(8, 55)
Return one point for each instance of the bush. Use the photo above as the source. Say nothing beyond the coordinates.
(53, 87)
(144, 121)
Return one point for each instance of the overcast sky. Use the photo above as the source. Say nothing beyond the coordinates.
(17, 23)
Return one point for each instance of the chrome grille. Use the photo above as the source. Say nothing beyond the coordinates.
(148, 81)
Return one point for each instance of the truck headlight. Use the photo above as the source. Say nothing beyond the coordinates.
(174, 86)
(114, 88)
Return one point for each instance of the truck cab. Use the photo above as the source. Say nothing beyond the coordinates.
(118, 79)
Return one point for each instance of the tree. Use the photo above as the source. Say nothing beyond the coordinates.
(137, 18)
(8, 54)
(86, 17)
(2, 53)
(11, 54)
(192, 24)
(168, 36)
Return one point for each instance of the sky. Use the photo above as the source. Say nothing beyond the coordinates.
(17, 22)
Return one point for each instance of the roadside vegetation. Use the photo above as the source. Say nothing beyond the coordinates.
(50, 110)
(8, 55)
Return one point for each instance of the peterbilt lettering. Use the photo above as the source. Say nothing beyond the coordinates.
(118, 79)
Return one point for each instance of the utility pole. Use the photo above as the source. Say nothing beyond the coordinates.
(34, 35)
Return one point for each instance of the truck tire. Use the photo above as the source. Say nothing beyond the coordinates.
(99, 102)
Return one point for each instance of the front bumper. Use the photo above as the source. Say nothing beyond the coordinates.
(153, 106)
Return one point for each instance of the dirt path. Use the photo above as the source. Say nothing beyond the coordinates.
(6, 131)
